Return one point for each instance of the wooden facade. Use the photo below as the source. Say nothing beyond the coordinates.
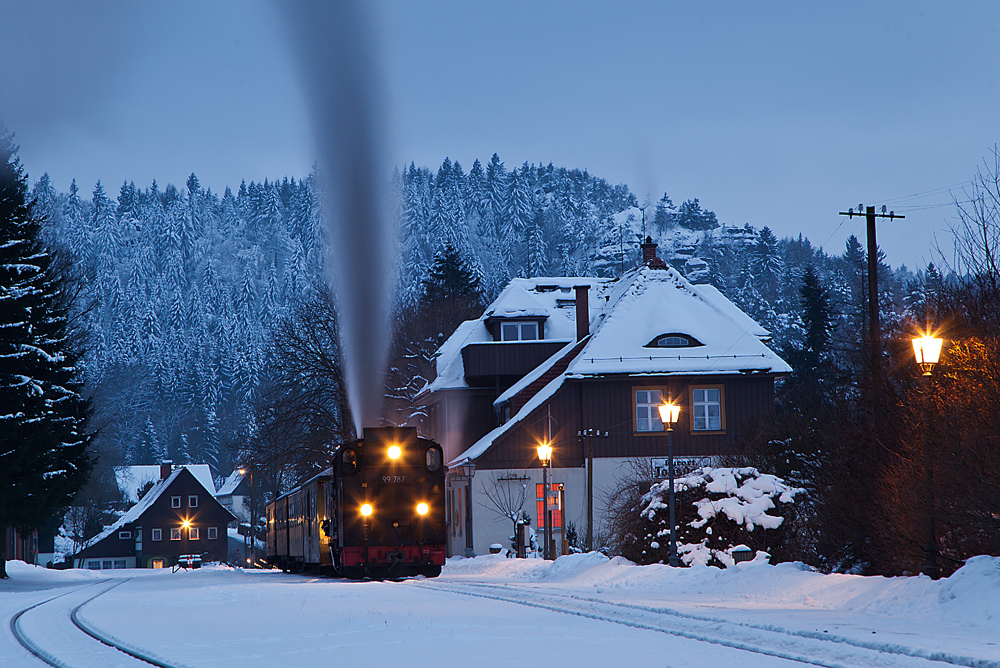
(607, 405)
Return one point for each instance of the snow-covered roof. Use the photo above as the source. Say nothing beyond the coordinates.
(631, 312)
(662, 301)
(131, 479)
(231, 483)
(534, 374)
(484, 443)
(138, 509)
(552, 298)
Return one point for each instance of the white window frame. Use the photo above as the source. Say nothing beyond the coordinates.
(519, 326)
(703, 400)
(647, 416)
(213, 533)
(175, 534)
(107, 564)
(673, 341)
(157, 534)
(119, 563)
(93, 565)
(194, 533)
(175, 502)
(124, 535)
(192, 501)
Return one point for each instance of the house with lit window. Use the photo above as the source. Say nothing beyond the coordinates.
(582, 364)
(178, 515)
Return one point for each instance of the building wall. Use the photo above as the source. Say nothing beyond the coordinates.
(489, 526)
(607, 405)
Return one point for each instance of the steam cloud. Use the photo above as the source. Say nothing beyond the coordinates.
(335, 49)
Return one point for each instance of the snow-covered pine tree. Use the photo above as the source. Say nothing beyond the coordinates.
(43, 439)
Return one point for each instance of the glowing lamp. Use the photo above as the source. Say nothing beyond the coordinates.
(186, 524)
(367, 509)
(422, 508)
(927, 350)
(669, 413)
(544, 452)
(394, 452)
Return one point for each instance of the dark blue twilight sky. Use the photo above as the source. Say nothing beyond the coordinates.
(775, 114)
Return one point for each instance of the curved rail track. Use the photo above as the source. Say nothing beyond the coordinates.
(809, 648)
(57, 636)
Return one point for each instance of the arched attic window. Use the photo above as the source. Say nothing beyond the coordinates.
(674, 340)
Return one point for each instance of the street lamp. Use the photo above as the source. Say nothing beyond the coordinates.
(669, 412)
(545, 456)
(927, 351)
(250, 552)
(469, 469)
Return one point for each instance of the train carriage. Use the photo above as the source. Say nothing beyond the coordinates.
(377, 512)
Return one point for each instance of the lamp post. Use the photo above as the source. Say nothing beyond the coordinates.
(185, 534)
(250, 555)
(545, 456)
(927, 351)
(590, 435)
(669, 412)
(469, 469)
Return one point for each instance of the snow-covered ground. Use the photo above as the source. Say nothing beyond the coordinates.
(581, 610)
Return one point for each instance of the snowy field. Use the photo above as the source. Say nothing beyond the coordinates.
(581, 610)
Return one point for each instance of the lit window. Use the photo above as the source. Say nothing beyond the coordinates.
(193, 501)
(519, 331)
(647, 415)
(157, 563)
(157, 534)
(124, 535)
(706, 409)
(213, 533)
(195, 534)
(175, 502)
(175, 534)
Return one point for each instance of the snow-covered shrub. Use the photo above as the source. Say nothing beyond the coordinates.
(717, 509)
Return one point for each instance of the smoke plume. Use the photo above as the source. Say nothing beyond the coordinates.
(335, 48)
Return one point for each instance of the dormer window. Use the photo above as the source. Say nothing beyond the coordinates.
(674, 340)
(519, 331)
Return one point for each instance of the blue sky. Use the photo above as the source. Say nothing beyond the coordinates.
(776, 114)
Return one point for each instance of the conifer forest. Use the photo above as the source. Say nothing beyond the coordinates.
(183, 288)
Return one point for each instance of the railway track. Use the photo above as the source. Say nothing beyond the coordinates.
(53, 632)
(809, 648)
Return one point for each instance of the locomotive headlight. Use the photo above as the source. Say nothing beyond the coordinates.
(422, 508)
(367, 509)
(394, 452)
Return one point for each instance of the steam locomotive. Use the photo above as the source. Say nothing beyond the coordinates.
(377, 512)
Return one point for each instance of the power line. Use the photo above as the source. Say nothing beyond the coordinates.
(926, 193)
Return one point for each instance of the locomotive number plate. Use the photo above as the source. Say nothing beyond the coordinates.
(394, 478)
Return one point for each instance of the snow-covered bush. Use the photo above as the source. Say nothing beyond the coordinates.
(717, 509)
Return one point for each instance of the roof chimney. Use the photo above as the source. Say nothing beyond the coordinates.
(648, 250)
(165, 469)
(582, 311)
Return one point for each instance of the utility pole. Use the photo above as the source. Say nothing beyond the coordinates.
(874, 331)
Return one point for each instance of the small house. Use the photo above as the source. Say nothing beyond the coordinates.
(178, 515)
